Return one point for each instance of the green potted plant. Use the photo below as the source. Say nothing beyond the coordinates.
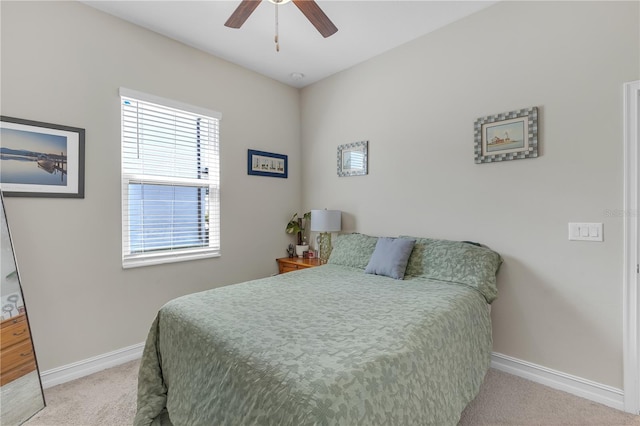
(297, 225)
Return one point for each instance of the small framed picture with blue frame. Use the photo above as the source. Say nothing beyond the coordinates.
(261, 163)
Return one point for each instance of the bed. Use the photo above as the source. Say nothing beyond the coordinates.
(330, 345)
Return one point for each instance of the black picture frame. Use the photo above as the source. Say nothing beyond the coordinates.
(261, 163)
(30, 165)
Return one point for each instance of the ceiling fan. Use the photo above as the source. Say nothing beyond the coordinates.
(309, 8)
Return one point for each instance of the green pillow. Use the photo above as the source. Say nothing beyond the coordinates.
(415, 265)
(456, 262)
(353, 250)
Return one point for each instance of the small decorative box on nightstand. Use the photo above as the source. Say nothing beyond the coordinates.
(288, 264)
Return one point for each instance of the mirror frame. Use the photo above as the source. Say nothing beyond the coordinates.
(22, 387)
(345, 168)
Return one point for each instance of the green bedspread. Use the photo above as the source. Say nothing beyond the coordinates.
(322, 346)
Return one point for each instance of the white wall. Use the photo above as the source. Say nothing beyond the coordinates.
(560, 302)
(63, 62)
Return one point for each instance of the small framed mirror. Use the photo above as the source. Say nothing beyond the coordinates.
(353, 158)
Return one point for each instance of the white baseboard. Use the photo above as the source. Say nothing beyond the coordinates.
(88, 366)
(574, 385)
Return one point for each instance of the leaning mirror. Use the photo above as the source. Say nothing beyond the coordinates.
(21, 393)
(352, 159)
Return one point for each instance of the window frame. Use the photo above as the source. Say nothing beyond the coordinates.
(133, 260)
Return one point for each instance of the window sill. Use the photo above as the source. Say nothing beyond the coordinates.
(136, 261)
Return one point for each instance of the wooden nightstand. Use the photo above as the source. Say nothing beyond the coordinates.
(288, 264)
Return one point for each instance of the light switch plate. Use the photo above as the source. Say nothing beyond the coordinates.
(585, 232)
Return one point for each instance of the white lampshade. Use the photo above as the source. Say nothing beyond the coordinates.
(326, 220)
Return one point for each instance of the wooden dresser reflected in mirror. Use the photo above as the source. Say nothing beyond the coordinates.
(21, 393)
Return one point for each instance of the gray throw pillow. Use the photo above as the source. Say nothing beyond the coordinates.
(390, 257)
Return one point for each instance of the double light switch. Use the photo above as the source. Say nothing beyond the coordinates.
(585, 232)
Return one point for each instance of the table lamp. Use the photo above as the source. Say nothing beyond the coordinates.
(325, 221)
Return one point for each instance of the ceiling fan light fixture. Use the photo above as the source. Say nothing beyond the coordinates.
(279, 1)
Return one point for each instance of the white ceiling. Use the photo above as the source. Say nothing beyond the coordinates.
(366, 28)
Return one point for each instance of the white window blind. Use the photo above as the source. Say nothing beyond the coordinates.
(170, 181)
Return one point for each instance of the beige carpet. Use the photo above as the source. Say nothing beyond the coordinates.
(105, 398)
(109, 397)
(505, 399)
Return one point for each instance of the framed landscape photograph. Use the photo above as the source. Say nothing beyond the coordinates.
(509, 136)
(41, 159)
(262, 163)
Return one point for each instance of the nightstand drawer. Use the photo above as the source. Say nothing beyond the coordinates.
(17, 360)
(289, 264)
(16, 373)
(14, 330)
(287, 267)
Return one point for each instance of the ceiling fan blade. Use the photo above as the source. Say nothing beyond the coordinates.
(242, 12)
(316, 16)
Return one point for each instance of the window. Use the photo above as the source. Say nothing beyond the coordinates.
(170, 181)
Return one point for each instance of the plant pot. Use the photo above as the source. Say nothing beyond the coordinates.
(300, 249)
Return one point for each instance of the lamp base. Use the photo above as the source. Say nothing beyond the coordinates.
(325, 246)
